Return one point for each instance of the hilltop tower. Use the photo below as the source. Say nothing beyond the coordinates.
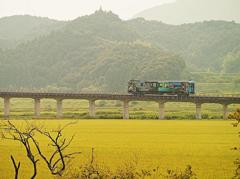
(101, 9)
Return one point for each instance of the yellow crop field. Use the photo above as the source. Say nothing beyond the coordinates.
(206, 145)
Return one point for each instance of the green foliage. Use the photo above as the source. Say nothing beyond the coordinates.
(231, 62)
(102, 103)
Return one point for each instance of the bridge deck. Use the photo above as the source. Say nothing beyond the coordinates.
(127, 97)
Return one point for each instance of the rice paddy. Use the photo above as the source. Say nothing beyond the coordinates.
(169, 144)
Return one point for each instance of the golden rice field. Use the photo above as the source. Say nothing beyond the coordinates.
(206, 145)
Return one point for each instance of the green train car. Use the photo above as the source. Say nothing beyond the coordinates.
(138, 87)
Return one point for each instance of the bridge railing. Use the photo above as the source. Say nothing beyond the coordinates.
(110, 93)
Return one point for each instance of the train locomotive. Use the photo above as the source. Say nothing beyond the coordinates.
(180, 88)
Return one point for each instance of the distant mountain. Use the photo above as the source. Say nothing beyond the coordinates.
(99, 52)
(190, 11)
(17, 29)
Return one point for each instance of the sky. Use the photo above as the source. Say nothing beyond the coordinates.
(70, 9)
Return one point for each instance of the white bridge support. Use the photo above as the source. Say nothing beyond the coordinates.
(125, 109)
(225, 111)
(198, 111)
(37, 107)
(6, 107)
(161, 105)
(92, 108)
(59, 108)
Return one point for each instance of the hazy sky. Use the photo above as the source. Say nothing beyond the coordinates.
(70, 9)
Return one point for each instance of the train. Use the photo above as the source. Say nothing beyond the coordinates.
(179, 88)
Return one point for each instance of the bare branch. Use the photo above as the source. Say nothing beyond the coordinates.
(57, 161)
(11, 132)
(16, 167)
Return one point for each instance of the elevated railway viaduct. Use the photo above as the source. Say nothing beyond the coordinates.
(125, 98)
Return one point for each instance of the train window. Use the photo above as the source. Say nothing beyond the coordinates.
(142, 84)
(154, 85)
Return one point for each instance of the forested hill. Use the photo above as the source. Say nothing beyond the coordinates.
(92, 53)
(17, 29)
(202, 45)
(100, 52)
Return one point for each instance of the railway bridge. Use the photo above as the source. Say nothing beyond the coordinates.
(125, 98)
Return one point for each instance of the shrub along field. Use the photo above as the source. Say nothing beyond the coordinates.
(206, 145)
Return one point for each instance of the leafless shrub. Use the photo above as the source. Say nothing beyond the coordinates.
(56, 163)
(11, 132)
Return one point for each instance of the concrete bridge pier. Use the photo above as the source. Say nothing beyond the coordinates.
(161, 105)
(225, 111)
(125, 109)
(59, 108)
(198, 111)
(6, 107)
(37, 107)
(92, 108)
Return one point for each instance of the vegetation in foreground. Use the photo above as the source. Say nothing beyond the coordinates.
(58, 160)
(236, 116)
(164, 144)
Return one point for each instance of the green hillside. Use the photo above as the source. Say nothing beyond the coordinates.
(100, 52)
(202, 45)
(88, 55)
